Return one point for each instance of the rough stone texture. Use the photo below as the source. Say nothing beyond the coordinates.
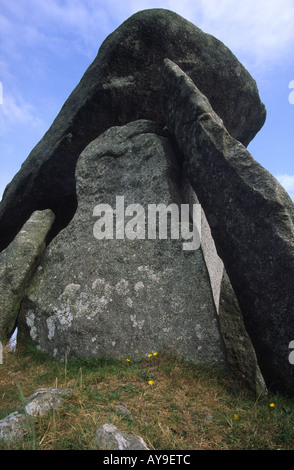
(109, 437)
(17, 265)
(14, 427)
(121, 297)
(251, 218)
(215, 266)
(44, 400)
(240, 353)
(122, 85)
(123, 411)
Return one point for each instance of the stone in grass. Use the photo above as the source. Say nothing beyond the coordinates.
(109, 437)
(13, 427)
(124, 412)
(44, 400)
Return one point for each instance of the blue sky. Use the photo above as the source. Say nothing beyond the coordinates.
(47, 45)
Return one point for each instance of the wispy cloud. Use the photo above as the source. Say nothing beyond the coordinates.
(287, 181)
(262, 29)
(17, 111)
(259, 32)
(52, 23)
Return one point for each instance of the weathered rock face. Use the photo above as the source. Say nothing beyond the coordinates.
(123, 297)
(17, 265)
(251, 218)
(15, 426)
(240, 354)
(109, 437)
(122, 85)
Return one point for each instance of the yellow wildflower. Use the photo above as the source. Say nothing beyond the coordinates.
(155, 354)
(272, 405)
(236, 417)
(150, 382)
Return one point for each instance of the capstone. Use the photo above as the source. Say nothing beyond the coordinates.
(122, 85)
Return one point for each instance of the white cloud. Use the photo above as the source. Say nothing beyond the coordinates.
(2, 187)
(17, 111)
(262, 31)
(287, 181)
(49, 23)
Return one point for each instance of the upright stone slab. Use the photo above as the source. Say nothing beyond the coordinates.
(17, 265)
(120, 297)
(251, 218)
(122, 85)
(240, 354)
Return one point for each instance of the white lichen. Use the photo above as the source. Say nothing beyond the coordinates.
(138, 286)
(129, 302)
(137, 323)
(51, 327)
(64, 316)
(30, 322)
(122, 287)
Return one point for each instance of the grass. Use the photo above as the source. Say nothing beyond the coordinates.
(174, 405)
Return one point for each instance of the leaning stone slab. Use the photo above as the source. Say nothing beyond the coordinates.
(17, 265)
(251, 219)
(109, 437)
(240, 354)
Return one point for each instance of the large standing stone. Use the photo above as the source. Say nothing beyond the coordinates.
(122, 85)
(251, 218)
(17, 265)
(123, 297)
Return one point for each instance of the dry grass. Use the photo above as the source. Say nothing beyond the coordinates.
(187, 407)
